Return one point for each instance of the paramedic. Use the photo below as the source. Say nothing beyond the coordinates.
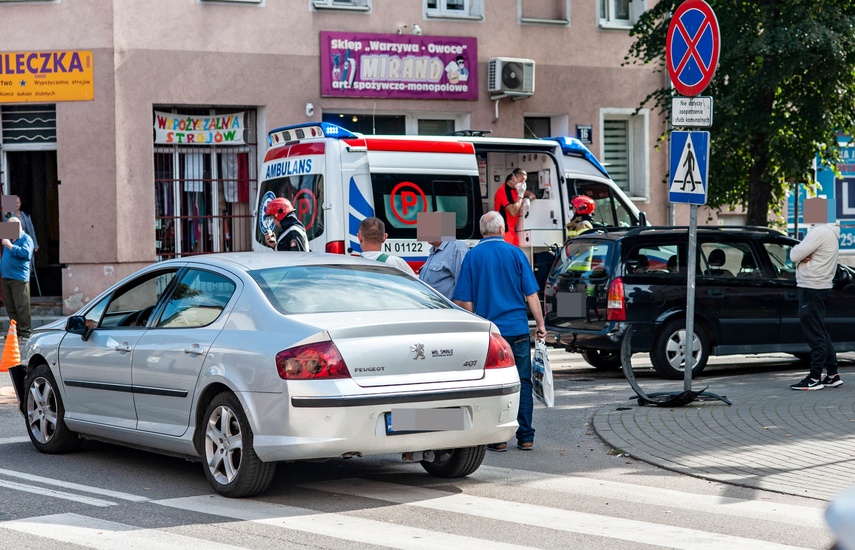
(511, 200)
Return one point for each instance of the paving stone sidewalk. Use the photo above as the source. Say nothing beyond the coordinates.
(772, 438)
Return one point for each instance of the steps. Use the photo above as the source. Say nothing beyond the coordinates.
(43, 309)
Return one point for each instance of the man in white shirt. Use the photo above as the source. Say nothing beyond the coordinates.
(372, 235)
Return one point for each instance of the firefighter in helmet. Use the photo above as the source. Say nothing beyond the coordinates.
(582, 207)
(292, 235)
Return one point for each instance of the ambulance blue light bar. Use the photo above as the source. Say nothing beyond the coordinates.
(573, 147)
(307, 130)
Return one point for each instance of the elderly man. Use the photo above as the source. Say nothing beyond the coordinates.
(497, 282)
(15, 270)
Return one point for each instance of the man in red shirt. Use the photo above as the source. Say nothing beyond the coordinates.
(512, 199)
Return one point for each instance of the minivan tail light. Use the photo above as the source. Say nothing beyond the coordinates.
(318, 361)
(616, 309)
(499, 354)
(335, 247)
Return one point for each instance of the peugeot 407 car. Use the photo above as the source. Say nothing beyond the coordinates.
(746, 300)
(246, 360)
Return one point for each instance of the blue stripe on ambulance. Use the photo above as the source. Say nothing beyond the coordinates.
(363, 209)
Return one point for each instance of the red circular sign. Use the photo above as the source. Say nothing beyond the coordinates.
(305, 202)
(692, 47)
(408, 199)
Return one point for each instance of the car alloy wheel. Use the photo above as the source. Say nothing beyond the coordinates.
(231, 465)
(46, 414)
(666, 354)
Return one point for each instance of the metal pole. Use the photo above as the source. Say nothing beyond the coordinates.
(687, 346)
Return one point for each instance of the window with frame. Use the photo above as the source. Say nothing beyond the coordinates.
(358, 5)
(202, 192)
(463, 9)
(621, 14)
(537, 127)
(553, 12)
(623, 143)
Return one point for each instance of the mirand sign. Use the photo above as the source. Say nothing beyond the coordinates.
(398, 66)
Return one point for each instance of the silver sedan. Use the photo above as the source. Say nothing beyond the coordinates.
(245, 360)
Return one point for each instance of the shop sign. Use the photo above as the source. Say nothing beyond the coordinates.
(398, 66)
(46, 76)
(178, 129)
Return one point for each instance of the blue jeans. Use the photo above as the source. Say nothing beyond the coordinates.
(812, 304)
(521, 345)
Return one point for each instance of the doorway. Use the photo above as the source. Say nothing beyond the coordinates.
(32, 176)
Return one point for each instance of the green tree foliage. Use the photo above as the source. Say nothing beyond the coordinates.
(784, 90)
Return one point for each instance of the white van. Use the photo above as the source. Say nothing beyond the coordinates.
(336, 178)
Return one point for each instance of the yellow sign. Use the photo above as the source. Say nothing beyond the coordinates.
(46, 77)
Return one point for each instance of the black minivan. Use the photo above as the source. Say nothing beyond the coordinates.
(746, 300)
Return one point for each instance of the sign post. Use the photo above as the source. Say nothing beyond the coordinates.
(691, 54)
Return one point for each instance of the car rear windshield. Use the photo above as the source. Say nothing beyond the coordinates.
(334, 288)
(581, 257)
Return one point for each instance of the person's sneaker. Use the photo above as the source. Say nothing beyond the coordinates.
(808, 384)
(525, 445)
(832, 381)
(498, 447)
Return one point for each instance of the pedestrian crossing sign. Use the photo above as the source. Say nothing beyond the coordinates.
(689, 163)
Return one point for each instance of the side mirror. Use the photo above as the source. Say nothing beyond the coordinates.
(642, 219)
(76, 324)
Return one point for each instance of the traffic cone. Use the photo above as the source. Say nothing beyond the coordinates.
(11, 352)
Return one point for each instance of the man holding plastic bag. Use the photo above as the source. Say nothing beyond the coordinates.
(497, 283)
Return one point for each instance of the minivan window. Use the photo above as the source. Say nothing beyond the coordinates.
(582, 258)
(655, 258)
(608, 211)
(398, 198)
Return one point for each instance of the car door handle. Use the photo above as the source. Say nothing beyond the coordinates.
(715, 293)
(194, 350)
(124, 346)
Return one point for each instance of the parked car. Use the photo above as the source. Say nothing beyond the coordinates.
(244, 360)
(746, 299)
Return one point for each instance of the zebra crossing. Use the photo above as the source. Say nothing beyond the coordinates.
(356, 512)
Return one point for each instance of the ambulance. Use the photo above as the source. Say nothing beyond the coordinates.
(336, 178)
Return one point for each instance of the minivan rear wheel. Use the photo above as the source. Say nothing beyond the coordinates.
(666, 356)
(602, 359)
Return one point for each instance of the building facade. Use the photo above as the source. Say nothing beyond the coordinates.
(113, 182)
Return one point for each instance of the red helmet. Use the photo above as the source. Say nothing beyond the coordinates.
(583, 204)
(279, 208)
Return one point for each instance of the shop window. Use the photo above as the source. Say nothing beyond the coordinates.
(28, 124)
(621, 14)
(624, 149)
(459, 9)
(202, 193)
(435, 127)
(358, 5)
(368, 124)
(552, 12)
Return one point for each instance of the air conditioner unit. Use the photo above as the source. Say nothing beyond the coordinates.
(510, 76)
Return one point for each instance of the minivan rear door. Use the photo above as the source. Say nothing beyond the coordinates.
(577, 290)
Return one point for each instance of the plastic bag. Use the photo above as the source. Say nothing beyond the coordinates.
(541, 375)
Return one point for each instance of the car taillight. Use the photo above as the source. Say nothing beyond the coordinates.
(616, 310)
(335, 247)
(318, 361)
(499, 354)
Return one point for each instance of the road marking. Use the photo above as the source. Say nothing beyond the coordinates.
(7, 440)
(75, 486)
(339, 526)
(544, 517)
(107, 535)
(45, 492)
(655, 496)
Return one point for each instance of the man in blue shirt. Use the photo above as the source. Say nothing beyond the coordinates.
(497, 282)
(442, 266)
(15, 271)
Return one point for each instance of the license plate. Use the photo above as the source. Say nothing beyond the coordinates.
(407, 421)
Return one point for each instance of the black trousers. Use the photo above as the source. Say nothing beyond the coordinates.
(812, 304)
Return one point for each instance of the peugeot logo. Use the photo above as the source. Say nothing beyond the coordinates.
(418, 351)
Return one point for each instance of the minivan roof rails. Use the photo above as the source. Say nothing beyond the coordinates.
(756, 228)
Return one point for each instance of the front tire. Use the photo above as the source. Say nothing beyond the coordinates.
(666, 356)
(604, 360)
(45, 414)
(456, 462)
(231, 465)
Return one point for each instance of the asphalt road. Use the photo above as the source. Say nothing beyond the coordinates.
(572, 491)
